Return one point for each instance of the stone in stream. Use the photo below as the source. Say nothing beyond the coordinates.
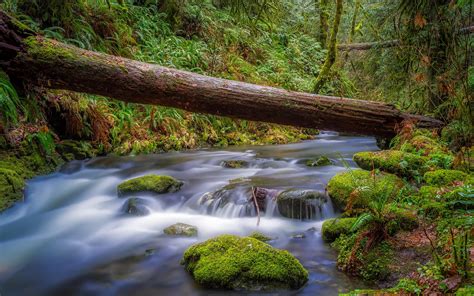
(181, 229)
(235, 164)
(301, 204)
(135, 206)
(149, 183)
(319, 161)
(243, 263)
(260, 236)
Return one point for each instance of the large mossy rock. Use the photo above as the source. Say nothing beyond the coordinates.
(243, 263)
(149, 183)
(71, 149)
(181, 229)
(445, 177)
(359, 187)
(333, 228)
(301, 204)
(392, 161)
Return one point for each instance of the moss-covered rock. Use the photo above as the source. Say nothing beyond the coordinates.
(403, 219)
(149, 183)
(333, 228)
(181, 229)
(232, 262)
(392, 161)
(235, 164)
(359, 187)
(444, 177)
(319, 161)
(300, 204)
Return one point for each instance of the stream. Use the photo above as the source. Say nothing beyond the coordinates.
(72, 236)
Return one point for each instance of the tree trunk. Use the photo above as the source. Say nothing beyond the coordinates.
(55, 65)
(331, 55)
(323, 21)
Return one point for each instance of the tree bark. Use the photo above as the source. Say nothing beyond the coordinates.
(323, 22)
(52, 64)
(331, 55)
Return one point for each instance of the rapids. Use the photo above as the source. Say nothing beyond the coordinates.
(71, 236)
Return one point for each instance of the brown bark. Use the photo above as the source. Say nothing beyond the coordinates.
(55, 65)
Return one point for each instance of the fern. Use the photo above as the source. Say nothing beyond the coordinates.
(10, 102)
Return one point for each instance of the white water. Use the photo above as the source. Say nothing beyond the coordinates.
(71, 237)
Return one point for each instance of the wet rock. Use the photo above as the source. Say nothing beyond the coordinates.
(260, 236)
(181, 229)
(149, 183)
(243, 263)
(136, 207)
(298, 236)
(301, 204)
(71, 149)
(319, 161)
(235, 164)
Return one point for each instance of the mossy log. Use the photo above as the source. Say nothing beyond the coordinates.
(52, 64)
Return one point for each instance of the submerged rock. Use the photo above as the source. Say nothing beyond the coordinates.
(235, 164)
(181, 229)
(359, 187)
(333, 228)
(319, 161)
(149, 183)
(260, 236)
(301, 204)
(136, 207)
(243, 263)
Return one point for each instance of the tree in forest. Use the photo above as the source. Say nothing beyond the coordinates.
(323, 21)
(324, 74)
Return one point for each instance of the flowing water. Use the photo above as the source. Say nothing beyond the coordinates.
(71, 236)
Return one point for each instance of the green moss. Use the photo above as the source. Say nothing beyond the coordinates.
(367, 292)
(71, 150)
(360, 186)
(11, 188)
(260, 236)
(444, 177)
(392, 161)
(424, 145)
(232, 262)
(149, 183)
(333, 228)
(319, 161)
(465, 291)
(403, 219)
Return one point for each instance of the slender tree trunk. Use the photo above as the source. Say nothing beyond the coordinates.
(353, 26)
(323, 22)
(52, 64)
(331, 56)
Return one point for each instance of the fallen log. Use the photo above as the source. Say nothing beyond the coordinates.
(52, 64)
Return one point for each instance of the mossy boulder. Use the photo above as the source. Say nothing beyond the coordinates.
(301, 204)
(402, 219)
(149, 183)
(235, 164)
(243, 263)
(445, 177)
(333, 228)
(392, 161)
(135, 207)
(424, 145)
(319, 161)
(181, 229)
(358, 187)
